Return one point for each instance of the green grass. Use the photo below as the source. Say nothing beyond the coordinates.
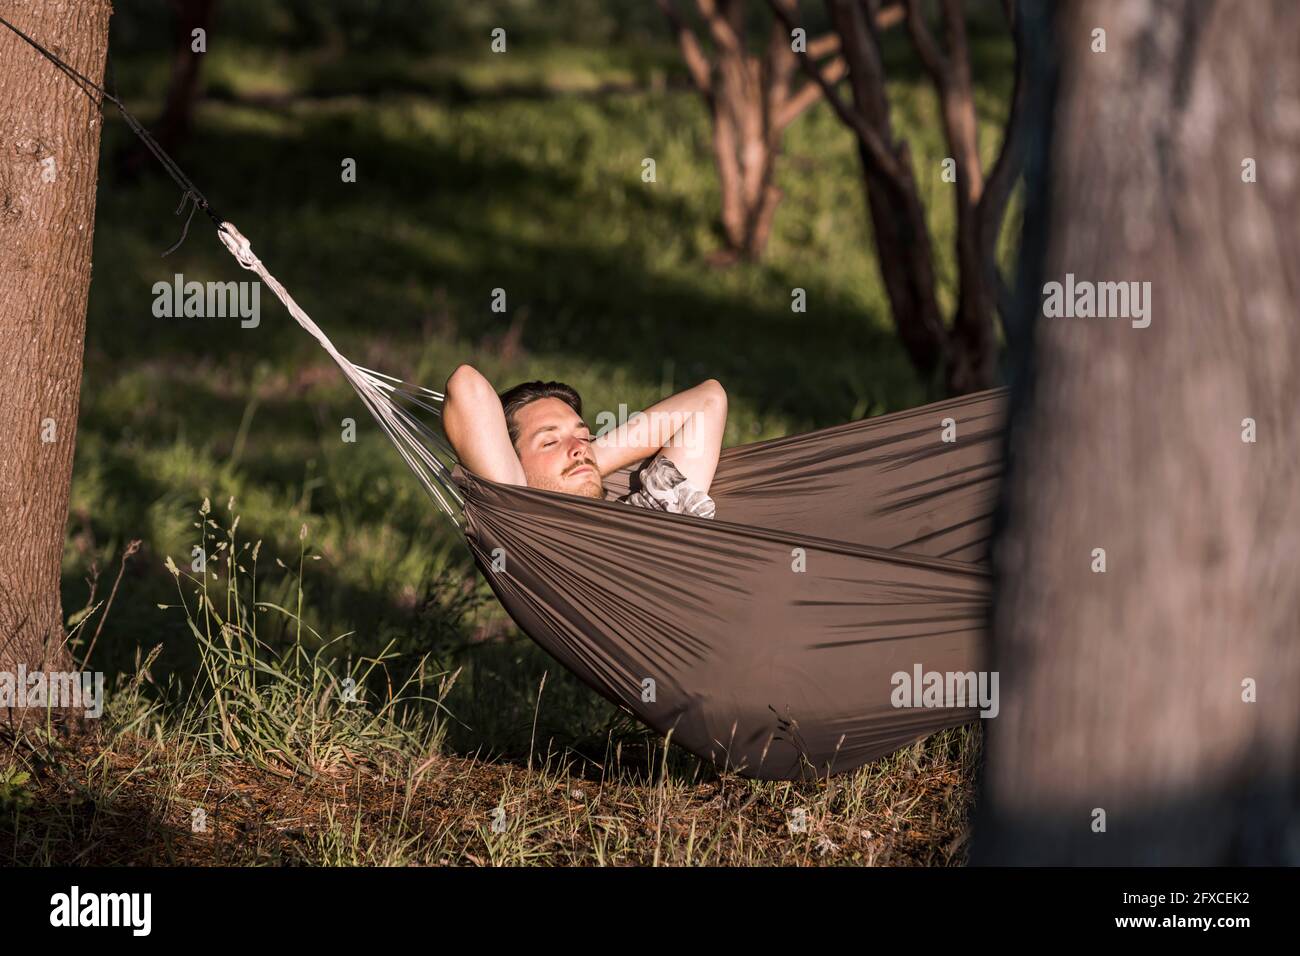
(473, 175)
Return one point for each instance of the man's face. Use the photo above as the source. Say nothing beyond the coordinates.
(554, 447)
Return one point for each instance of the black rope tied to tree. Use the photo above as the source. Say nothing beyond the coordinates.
(189, 192)
(410, 436)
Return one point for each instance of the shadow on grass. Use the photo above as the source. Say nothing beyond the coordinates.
(425, 217)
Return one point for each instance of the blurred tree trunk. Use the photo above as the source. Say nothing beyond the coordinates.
(751, 101)
(980, 204)
(49, 153)
(173, 127)
(1161, 692)
(965, 353)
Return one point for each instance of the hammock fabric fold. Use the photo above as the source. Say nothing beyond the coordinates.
(704, 629)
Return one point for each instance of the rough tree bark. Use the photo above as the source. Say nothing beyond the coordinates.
(49, 153)
(1128, 691)
(751, 100)
(965, 352)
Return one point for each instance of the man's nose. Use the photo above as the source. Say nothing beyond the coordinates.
(578, 448)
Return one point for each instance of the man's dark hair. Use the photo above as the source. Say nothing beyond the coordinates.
(525, 392)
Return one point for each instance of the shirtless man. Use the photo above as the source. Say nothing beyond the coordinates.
(534, 435)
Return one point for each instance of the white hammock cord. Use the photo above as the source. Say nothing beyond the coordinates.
(377, 390)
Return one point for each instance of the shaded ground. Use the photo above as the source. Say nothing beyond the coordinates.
(131, 801)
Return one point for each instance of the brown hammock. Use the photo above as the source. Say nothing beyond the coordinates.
(704, 629)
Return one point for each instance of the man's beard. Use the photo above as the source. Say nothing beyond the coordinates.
(595, 488)
(592, 487)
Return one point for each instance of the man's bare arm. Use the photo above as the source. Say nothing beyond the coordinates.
(475, 424)
(688, 427)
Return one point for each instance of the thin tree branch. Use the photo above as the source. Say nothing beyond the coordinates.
(824, 44)
(720, 28)
(696, 62)
(958, 97)
(928, 50)
(779, 65)
(875, 149)
(891, 15)
(811, 92)
(954, 30)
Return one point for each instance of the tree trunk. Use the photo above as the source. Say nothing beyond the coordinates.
(906, 259)
(751, 101)
(49, 153)
(973, 353)
(965, 355)
(1129, 692)
(742, 115)
(972, 362)
(902, 237)
(173, 127)
(740, 150)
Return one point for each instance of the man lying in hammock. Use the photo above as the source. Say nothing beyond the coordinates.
(534, 435)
